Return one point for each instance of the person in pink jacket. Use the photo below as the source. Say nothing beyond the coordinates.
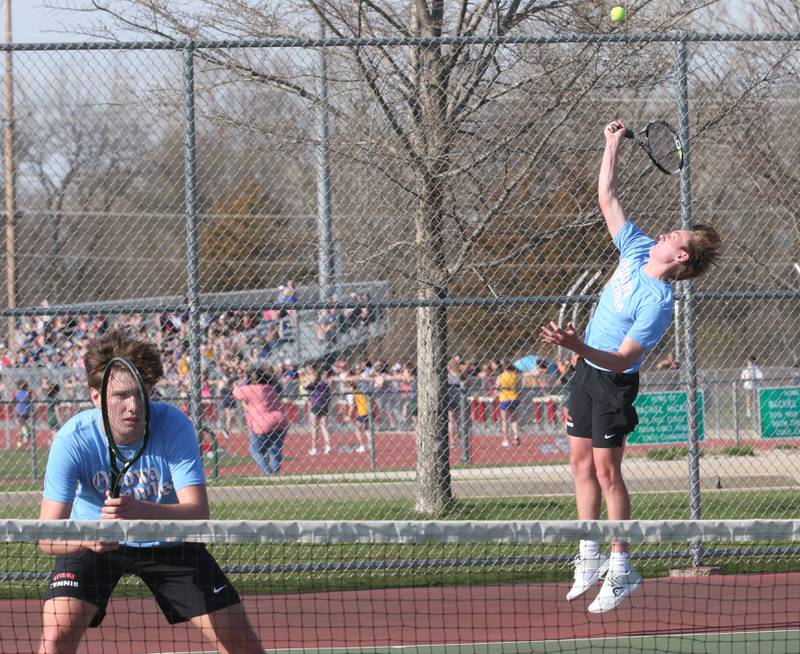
(267, 423)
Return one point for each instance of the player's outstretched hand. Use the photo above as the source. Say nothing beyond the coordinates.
(123, 507)
(614, 131)
(566, 337)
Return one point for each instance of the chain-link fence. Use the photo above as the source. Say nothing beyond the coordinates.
(396, 218)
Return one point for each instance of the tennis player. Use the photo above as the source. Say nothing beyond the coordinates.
(634, 311)
(167, 483)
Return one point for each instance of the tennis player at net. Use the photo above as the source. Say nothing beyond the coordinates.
(634, 311)
(167, 482)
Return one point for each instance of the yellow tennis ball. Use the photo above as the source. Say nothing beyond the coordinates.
(618, 14)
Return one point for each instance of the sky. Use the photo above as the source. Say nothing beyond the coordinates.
(30, 22)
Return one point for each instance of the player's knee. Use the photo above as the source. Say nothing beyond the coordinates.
(239, 641)
(60, 639)
(582, 465)
(609, 477)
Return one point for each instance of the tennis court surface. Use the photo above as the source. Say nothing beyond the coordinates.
(442, 587)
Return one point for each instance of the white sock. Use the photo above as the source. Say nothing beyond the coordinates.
(590, 549)
(619, 563)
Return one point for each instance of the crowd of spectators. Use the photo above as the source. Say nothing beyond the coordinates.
(47, 355)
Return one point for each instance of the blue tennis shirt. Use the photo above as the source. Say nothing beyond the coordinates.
(78, 466)
(631, 304)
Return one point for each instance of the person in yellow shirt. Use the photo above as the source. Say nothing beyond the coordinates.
(508, 394)
(361, 405)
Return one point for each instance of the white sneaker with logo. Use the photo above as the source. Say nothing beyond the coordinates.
(360, 448)
(327, 449)
(588, 571)
(615, 588)
(312, 451)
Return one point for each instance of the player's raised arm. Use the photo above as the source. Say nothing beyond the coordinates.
(607, 182)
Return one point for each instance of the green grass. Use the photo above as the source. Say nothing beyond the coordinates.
(737, 450)
(668, 453)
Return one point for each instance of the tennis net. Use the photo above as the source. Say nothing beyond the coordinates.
(426, 587)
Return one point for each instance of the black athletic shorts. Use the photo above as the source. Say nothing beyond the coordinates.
(318, 409)
(601, 405)
(185, 579)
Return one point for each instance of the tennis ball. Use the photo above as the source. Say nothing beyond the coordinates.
(618, 14)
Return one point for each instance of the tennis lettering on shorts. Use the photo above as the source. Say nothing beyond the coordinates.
(125, 410)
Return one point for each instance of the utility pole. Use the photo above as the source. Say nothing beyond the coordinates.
(10, 171)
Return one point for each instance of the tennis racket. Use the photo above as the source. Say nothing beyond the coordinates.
(661, 143)
(121, 382)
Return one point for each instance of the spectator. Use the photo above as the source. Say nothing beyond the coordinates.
(319, 398)
(53, 405)
(751, 377)
(508, 395)
(383, 395)
(22, 401)
(267, 424)
(326, 325)
(287, 295)
(454, 381)
(227, 398)
(361, 406)
(344, 396)
(408, 386)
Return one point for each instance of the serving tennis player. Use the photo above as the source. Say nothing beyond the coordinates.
(167, 482)
(634, 311)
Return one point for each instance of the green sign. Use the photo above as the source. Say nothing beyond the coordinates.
(663, 418)
(779, 409)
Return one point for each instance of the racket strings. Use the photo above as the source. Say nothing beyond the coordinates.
(664, 146)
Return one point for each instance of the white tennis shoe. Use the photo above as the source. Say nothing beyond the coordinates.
(615, 588)
(588, 571)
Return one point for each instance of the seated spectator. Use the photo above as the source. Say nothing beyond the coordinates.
(365, 314)
(287, 295)
(350, 315)
(326, 325)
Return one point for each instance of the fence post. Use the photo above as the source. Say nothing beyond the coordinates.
(463, 427)
(687, 297)
(735, 402)
(324, 228)
(32, 437)
(371, 424)
(192, 264)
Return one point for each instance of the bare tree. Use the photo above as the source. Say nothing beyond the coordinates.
(435, 104)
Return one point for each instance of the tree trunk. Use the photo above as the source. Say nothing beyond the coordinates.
(434, 491)
(429, 131)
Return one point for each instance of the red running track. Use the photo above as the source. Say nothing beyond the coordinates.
(465, 614)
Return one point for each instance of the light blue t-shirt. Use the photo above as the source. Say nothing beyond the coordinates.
(631, 304)
(78, 466)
